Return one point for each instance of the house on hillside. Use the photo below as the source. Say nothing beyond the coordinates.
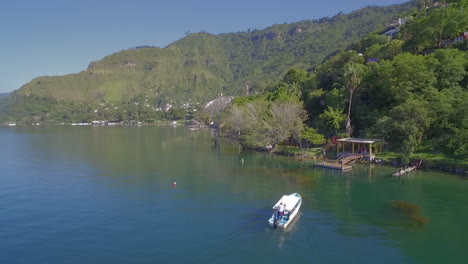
(393, 29)
(369, 60)
(392, 32)
(456, 39)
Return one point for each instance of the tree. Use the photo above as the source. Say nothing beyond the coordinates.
(394, 48)
(266, 123)
(333, 118)
(297, 76)
(311, 136)
(285, 92)
(407, 123)
(175, 113)
(215, 109)
(458, 144)
(353, 75)
(412, 76)
(450, 70)
(235, 120)
(255, 132)
(285, 121)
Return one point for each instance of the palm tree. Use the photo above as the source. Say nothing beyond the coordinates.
(352, 73)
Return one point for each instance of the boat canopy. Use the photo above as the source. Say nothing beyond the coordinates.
(289, 200)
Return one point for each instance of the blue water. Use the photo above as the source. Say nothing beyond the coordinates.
(106, 195)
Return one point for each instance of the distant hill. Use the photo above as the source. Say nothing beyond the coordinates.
(199, 66)
(4, 106)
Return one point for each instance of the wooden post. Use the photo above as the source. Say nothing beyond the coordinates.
(353, 148)
(370, 152)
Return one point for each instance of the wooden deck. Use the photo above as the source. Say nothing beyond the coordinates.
(341, 163)
(334, 166)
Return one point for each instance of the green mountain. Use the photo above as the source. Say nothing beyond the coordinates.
(409, 88)
(200, 66)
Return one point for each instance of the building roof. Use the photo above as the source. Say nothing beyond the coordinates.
(358, 140)
(373, 60)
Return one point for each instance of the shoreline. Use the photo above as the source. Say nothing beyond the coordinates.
(458, 170)
(444, 167)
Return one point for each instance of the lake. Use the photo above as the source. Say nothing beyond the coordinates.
(106, 195)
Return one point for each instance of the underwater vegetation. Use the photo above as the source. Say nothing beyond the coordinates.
(410, 211)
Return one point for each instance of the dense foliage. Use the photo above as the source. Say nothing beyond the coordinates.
(267, 120)
(415, 101)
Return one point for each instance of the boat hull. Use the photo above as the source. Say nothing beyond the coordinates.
(286, 220)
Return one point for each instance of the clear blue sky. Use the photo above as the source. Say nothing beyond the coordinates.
(57, 37)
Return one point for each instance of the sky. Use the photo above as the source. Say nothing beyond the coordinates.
(58, 37)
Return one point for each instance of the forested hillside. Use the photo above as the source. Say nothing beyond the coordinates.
(135, 84)
(407, 84)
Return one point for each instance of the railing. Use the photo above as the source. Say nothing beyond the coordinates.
(346, 158)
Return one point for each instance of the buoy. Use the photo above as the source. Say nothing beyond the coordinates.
(174, 184)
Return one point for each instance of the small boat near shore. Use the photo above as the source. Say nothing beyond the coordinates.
(404, 171)
(291, 203)
(413, 166)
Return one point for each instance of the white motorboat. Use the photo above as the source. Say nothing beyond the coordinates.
(291, 204)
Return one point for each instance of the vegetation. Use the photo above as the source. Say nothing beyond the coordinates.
(197, 68)
(34, 109)
(409, 87)
(415, 101)
(267, 123)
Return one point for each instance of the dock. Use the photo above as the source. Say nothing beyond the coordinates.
(342, 163)
(350, 150)
(334, 165)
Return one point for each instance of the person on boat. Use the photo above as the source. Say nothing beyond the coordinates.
(280, 210)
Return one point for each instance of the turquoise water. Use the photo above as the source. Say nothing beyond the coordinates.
(106, 195)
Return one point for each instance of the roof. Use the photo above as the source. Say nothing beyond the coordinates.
(358, 140)
(290, 201)
(373, 60)
(391, 32)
